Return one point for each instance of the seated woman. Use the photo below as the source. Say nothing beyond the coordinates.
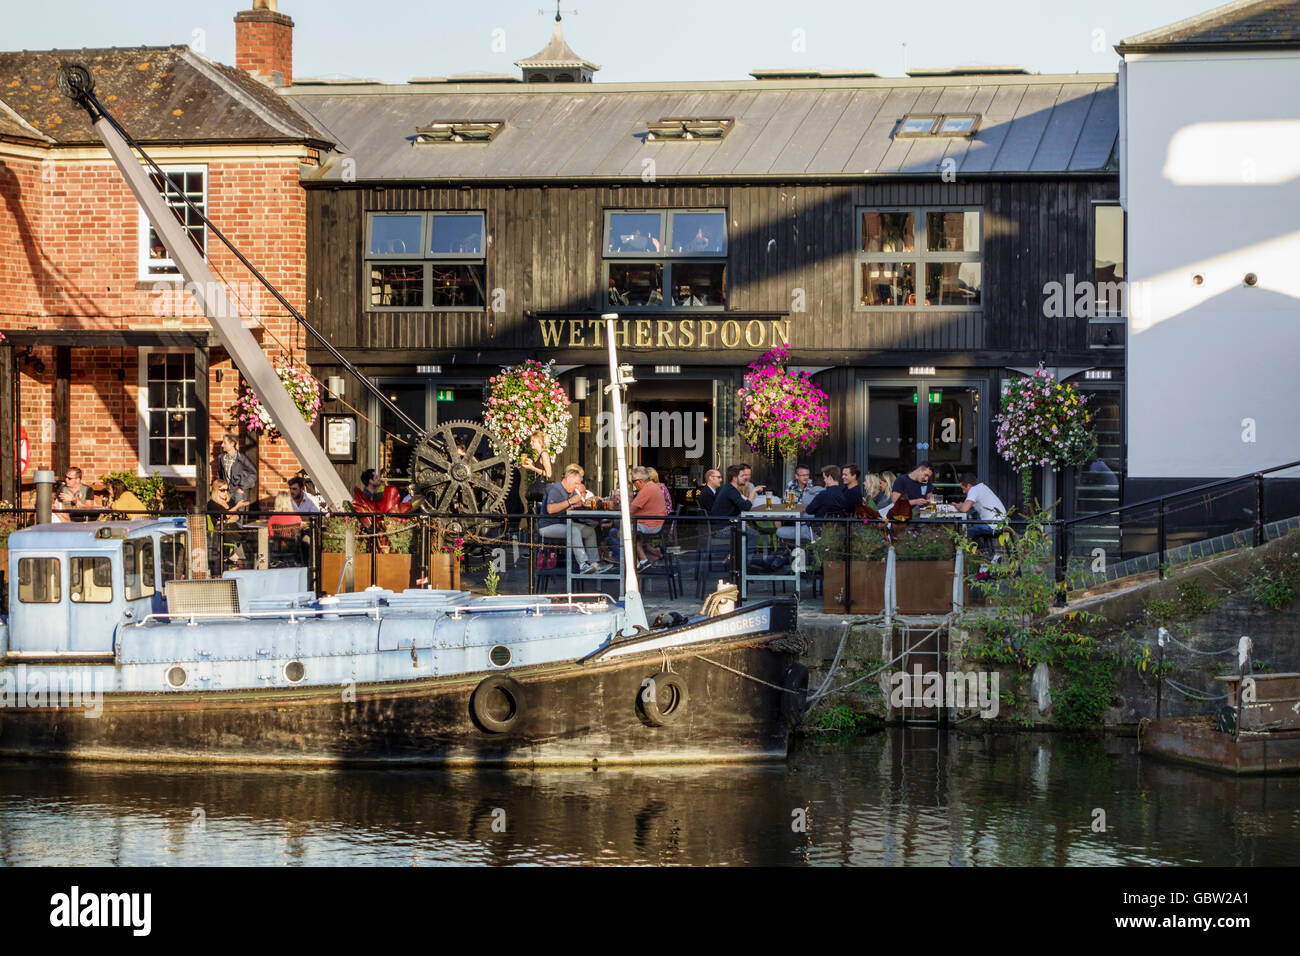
(284, 528)
(649, 501)
(125, 504)
(223, 520)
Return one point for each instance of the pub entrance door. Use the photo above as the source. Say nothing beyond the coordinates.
(939, 419)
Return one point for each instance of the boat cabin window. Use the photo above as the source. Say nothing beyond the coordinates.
(138, 565)
(90, 580)
(39, 581)
(172, 553)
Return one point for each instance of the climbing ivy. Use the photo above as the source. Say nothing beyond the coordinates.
(1022, 590)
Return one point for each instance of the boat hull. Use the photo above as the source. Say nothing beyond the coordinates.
(1196, 740)
(571, 713)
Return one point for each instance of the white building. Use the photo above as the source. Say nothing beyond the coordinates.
(1210, 181)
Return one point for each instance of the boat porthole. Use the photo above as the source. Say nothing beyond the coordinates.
(294, 671)
(176, 676)
(499, 655)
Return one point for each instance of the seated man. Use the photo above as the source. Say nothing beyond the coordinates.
(988, 507)
(804, 491)
(561, 496)
(831, 502)
(649, 502)
(910, 485)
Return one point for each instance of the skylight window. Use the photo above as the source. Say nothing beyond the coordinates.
(958, 124)
(917, 125)
(458, 131)
(938, 124)
(672, 128)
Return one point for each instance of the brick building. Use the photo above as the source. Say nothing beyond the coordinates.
(108, 363)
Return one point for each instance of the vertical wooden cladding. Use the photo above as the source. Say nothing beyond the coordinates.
(790, 245)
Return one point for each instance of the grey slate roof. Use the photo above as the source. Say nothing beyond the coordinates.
(1255, 24)
(817, 129)
(160, 94)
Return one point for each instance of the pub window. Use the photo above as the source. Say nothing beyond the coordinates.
(1108, 259)
(189, 182)
(168, 411)
(38, 580)
(919, 258)
(426, 260)
(666, 259)
(90, 580)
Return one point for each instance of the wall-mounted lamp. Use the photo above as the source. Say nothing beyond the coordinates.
(218, 375)
(580, 386)
(335, 385)
(921, 370)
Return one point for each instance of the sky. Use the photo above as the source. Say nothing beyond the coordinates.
(633, 40)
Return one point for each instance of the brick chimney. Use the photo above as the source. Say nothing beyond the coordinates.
(264, 43)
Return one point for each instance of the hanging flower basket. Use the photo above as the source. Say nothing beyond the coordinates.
(780, 410)
(302, 388)
(1046, 424)
(523, 399)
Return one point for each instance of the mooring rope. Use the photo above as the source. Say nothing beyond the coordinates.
(1227, 650)
(1191, 693)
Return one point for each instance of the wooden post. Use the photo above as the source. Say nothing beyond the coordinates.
(350, 558)
(202, 437)
(62, 412)
(262, 549)
(9, 422)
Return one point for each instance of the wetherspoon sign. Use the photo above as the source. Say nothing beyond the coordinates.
(656, 333)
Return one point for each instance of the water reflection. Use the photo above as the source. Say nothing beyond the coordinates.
(910, 797)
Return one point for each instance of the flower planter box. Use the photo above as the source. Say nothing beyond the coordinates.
(866, 590)
(392, 571)
(444, 572)
(924, 587)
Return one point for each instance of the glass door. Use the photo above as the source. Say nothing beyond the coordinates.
(393, 442)
(911, 420)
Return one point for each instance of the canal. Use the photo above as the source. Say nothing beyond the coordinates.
(901, 796)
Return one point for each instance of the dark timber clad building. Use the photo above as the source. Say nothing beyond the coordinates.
(900, 235)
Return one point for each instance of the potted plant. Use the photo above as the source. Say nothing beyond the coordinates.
(923, 568)
(866, 587)
(391, 562)
(781, 410)
(1043, 423)
(445, 557)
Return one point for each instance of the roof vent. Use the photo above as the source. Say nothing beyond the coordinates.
(680, 129)
(972, 71)
(801, 74)
(458, 131)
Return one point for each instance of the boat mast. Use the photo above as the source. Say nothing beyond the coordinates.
(620, 376)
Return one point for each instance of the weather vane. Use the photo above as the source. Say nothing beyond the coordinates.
(557, 11)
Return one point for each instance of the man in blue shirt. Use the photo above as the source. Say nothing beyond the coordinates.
(561, 496)
(851, 476)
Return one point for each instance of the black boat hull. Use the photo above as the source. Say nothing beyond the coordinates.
(742, 697)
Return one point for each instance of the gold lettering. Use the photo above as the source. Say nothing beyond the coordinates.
(732, 326)
(686, 333)
(707, 329)
(598, 331)
(751, 327)
(575, 333)
(664, 338)
(620, 333)
(781, 330)
(642, 333)
(550, 332)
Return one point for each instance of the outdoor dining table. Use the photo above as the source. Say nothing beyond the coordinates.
(612, 575)
(775, 513)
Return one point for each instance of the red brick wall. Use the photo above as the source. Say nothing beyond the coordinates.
(69, 258)
(264, 45)
(20, 223)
